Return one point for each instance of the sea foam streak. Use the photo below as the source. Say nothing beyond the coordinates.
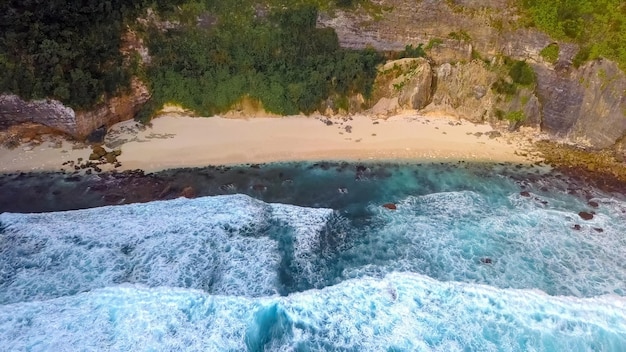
(224, 245)
(449, 236)
(400, 312)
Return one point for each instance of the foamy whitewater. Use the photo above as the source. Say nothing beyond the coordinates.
(469, 265)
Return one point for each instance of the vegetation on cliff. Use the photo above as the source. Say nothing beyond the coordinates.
(280, 59)
(68, 51)
(598, 26)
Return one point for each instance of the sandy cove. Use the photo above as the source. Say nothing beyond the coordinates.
(173, 141)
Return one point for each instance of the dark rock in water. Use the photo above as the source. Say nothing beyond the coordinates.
(259, 187)
(255, 166)
(343, 190)
(97, 169)
(593, 204)
(97, 135)
(361, 168)
(390, 206)
(576, 227)
(88, 172)
(524, 194)
(585, 215)
(72, 179)
(188, 192)
(113, 198)
(486, 260)
(598, 229)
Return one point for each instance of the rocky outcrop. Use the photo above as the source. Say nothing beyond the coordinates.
(587, 106)
(463, 90)
(402, 84)
(52, 113)
(117, 109)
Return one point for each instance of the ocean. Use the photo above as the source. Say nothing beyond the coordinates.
(316, 257)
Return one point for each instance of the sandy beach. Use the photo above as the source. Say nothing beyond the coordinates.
(173, 141)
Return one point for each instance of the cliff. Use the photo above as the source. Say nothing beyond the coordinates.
(466, 42)
(78, 124)
(471, 48)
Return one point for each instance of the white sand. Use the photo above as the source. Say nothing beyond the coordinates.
(180, 141)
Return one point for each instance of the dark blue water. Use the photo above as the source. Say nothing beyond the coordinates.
(473, 258)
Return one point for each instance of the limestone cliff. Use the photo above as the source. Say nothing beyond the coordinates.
(465, 40)
(78, 124)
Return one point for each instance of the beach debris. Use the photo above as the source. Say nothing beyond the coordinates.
(390, 206)
(348, 129)
(585, 215)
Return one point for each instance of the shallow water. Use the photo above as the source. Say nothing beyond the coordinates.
(474, 257)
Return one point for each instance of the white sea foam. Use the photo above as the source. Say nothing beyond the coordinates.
(514, 242)
(222, 245)
(400, 312)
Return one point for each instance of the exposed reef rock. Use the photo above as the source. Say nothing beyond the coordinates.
(78, 124)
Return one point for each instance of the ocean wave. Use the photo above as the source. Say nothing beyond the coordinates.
(507, 242)
(228, 245)
(399, 312)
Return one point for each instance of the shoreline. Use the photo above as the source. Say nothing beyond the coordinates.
(176, 141)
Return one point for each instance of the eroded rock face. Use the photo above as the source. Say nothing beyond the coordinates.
(115, 110)
(463, 90)
(402, 84)
(586, 106)
(14, 110)
(52, 113)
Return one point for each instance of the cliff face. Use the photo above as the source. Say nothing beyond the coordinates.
(79, 125)
(586, 106)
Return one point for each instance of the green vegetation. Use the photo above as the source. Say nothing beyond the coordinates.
(598, 26)
(66, 50)
(550, 53)
(519, 74)
(460, 36)
(265, 50)
(515, 116)
(282, 60)
(433, 43)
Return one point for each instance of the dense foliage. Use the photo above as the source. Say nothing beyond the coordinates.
(282, 60)
(68, 50)
(599, 26)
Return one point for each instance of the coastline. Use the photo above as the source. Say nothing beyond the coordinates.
(176, 141)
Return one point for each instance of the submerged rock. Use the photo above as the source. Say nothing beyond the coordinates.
(390, 206)
(188, 192)
(585, 215)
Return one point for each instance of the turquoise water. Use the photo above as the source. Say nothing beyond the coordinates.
(473, 258)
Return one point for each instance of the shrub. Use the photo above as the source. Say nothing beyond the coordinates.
(550, 53)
